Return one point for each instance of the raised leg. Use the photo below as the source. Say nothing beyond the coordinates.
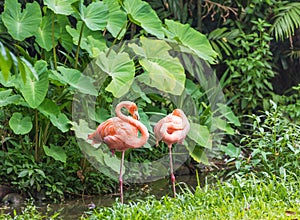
(120, 177)
(171, 170)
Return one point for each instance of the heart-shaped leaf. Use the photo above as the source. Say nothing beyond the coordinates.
(35, 90)
(73, 77)
(200, 134)
(44, 33)
(161, 70)
(56, 152)
(19, 124)
(192, 39)
(63, 7)
(21, 23)
(121, 68)
(141, 13)
(95, 15)
(117, 19)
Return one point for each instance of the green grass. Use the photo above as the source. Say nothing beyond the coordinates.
(249, 197)
(241, 198)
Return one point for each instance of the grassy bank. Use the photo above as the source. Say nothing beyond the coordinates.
(241, 198)
(250, 197)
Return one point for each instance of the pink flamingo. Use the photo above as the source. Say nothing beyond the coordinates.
(172, 129)
(121, 133)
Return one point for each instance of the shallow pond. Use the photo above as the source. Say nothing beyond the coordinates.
(73, 209)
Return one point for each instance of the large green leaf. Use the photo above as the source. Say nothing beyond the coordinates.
(44, 33)
(20, 124)
(6, 99)
(117, 19)
(192, 39)
(198, 154)
(63, 7)
(95, 15)
(91, 41)
(48, 108)
(200, 134)
(61, 121)
(141, 13)
(161, 70)
(64, 37)
(73, 77)
(56, 152)
(5, 62)
(121, 69)
(21, 23)
(58, 119)
(35, 89)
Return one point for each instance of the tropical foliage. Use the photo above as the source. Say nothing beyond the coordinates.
(64, 65)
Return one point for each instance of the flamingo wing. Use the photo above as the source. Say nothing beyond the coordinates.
(116, 133)
(170, 129)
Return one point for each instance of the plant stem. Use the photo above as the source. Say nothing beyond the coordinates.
(36, 137)
(115, 40)
(78, 46)
(199, 15)
(53, 44)
(46, 133)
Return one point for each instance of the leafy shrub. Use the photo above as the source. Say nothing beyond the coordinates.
(51, 179)
(273, 146)
(249, 69)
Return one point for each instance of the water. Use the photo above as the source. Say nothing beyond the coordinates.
(73, 209)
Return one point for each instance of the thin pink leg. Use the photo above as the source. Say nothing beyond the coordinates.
(171, 170)
(120, 178)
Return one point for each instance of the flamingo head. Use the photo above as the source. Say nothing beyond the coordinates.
(132, 109)
(178, 112)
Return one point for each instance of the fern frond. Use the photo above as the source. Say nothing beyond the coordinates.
(286, 20)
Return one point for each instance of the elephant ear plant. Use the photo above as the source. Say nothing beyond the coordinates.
(44, 50)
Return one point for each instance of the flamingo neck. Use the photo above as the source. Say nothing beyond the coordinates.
(142, 128)
(119, 113)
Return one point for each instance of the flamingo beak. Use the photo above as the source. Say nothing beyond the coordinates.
(136, 115)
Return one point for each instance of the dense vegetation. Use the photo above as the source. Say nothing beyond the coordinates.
(232, 66)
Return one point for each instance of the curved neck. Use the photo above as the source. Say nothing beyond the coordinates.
(119, 113)
(142, 128)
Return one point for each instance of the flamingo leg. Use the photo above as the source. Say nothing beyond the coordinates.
(120, 177)
(171, 170)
